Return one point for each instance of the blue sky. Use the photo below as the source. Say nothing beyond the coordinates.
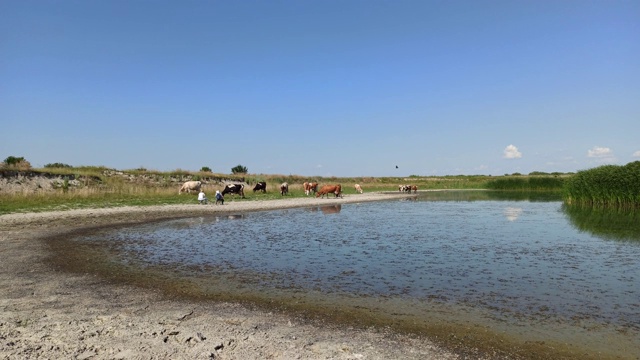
(329, 88)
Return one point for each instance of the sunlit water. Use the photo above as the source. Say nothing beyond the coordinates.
(505, 257)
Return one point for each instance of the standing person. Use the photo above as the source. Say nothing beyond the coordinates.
(219, 197)
(202, 198)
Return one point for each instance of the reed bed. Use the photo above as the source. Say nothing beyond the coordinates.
(605, 186)
(529, 183)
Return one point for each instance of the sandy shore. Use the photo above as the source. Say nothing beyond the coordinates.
(49, 314)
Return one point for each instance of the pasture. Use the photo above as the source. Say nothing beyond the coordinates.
(97, 187)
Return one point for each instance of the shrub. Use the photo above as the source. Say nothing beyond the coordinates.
(239, 170)
(17, 162)
(206, 169)
(58, 165)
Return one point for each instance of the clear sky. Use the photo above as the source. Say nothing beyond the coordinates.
(329, 88)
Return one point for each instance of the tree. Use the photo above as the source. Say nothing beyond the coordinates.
(239, 170)
(206, 169)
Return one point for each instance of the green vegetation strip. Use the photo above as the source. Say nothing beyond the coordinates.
(605, 186)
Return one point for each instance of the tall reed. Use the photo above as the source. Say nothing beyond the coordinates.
(530, 183)
(605, 186)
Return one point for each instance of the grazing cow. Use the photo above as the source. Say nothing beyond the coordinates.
(358, 188)
(261, 185)
(284, 188)
(190, 185)
(309, 187)
(400, 188)
(234, 189)
(326, 189)
(414, 188)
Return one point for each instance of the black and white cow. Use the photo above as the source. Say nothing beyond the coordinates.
(405, 188)
(260, 186)
(233, 189)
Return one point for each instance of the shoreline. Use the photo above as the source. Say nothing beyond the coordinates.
(53, 314)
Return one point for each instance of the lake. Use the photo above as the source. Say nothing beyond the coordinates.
(525, 270)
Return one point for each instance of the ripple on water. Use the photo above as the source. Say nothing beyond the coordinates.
(514, 260)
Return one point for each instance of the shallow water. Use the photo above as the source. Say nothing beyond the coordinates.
(523, 263)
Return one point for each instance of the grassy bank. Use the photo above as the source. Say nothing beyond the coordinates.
(605, 186)
(89, 186)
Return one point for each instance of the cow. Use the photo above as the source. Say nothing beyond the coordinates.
(309, 187)
(405, 188)
(234, 189)
(358, 188)
(414, 188)
(190, 185)
(326, 189)
(284, 188)
(261, 185)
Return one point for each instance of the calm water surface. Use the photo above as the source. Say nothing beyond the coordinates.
(512, 259)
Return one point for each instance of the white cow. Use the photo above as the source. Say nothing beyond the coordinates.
(358, 188)
(190, 185)
(284, 188)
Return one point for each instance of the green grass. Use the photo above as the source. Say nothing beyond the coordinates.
(82, 199)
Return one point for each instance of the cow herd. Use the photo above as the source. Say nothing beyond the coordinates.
(407, 188)
(309, 187)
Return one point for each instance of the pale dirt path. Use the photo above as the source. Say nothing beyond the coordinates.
(50, 315)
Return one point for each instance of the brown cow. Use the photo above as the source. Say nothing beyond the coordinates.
(326, 189)
(309, 187)
(414, 188)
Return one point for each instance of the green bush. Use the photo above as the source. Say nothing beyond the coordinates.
(13, 160)
(239, 170)
(58, 165)
(17, 163)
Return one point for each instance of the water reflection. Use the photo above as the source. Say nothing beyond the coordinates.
(331, 209)
(512, 213)
(478, 195)
(612, 224)
(327, 209)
